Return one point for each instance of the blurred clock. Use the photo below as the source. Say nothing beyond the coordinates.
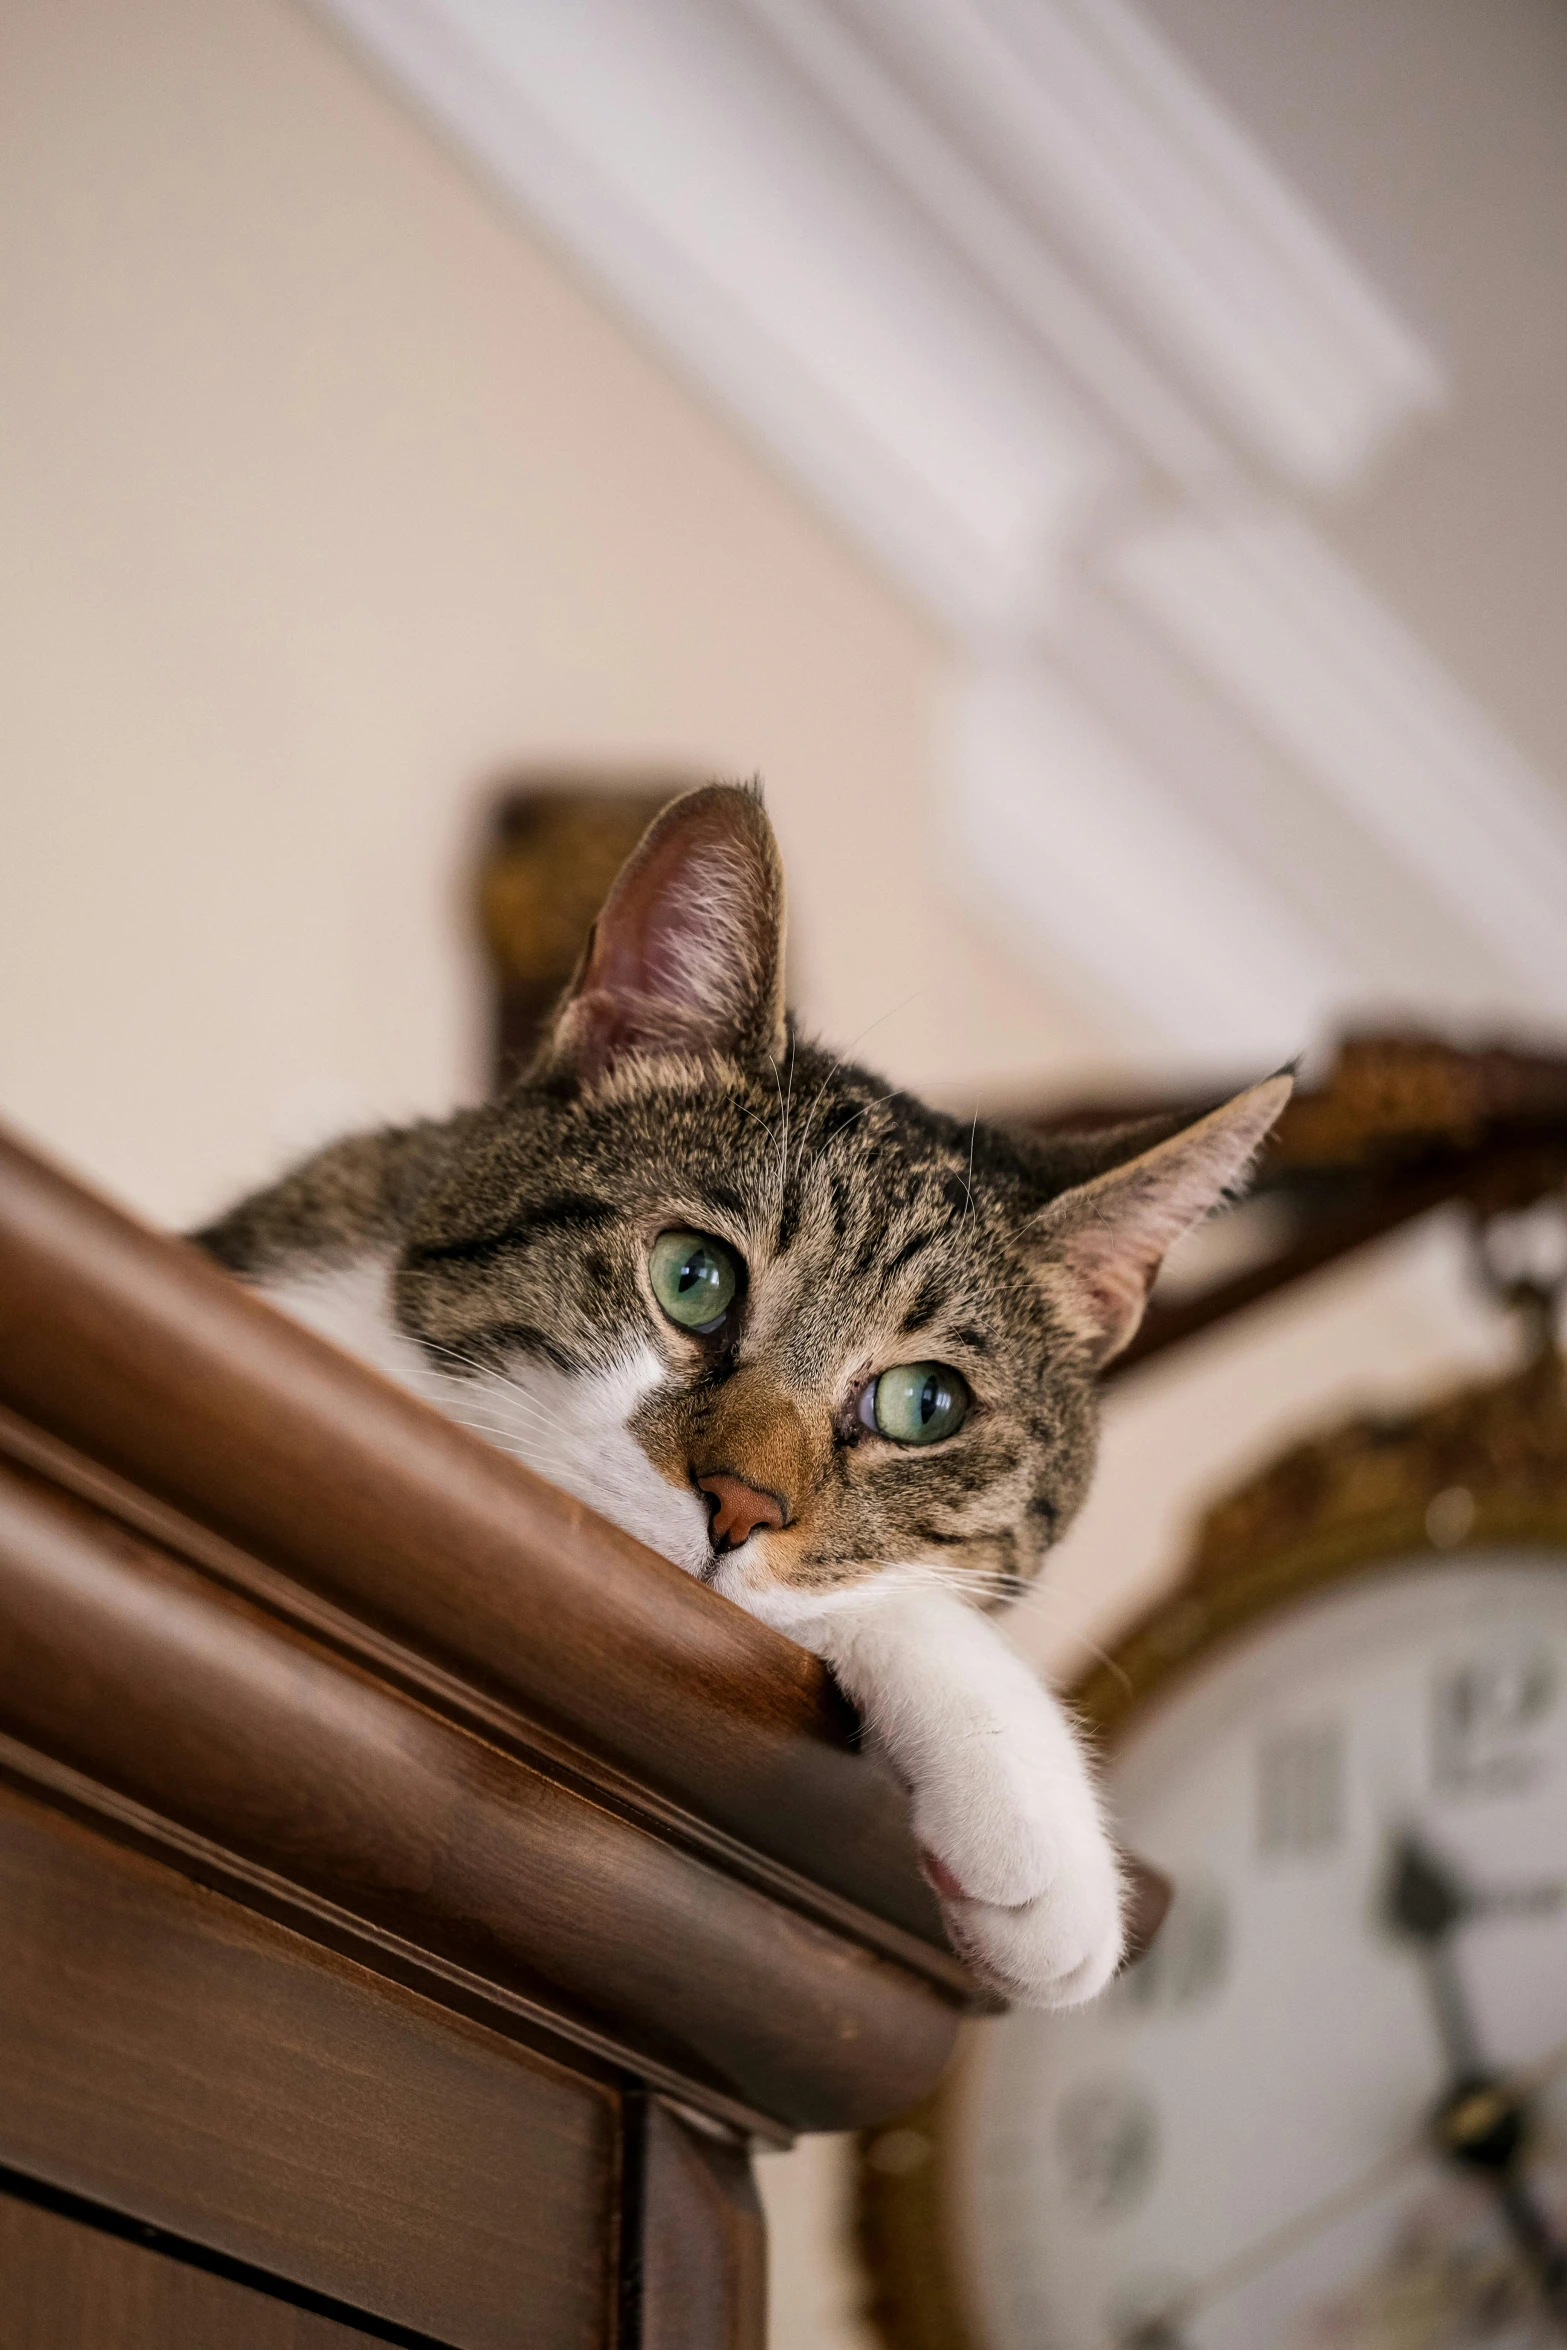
(1330, 2106)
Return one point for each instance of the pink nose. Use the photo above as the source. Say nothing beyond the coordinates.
(738, 1509)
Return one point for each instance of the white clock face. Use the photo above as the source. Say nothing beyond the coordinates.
(1159, 2172)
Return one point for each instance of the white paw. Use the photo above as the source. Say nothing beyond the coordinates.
(1058, 1948)
(1003, 1799)
(986, 1813)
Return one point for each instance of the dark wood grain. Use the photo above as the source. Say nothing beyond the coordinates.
(704, 2248)
(169, 2054)
(135, 1350)
(65, 2285)
(144, 1676)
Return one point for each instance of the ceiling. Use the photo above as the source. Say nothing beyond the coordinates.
(1198, 365)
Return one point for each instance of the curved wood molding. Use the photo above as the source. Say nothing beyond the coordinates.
(268, 1611)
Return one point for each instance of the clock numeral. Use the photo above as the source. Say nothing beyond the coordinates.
(1187, 1959)
(1300, 1791)
(1485, 1713)
(1138, 2318)
(1107, 2136)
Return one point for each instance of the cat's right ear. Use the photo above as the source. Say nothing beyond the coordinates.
(687, 954)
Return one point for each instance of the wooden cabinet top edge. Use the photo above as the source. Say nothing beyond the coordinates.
(149, 1363)
(163, 1689)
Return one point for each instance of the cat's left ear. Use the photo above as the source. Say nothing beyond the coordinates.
(687, 954)
(1097, 1246)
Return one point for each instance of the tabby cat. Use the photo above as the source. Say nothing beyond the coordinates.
(830, 1351)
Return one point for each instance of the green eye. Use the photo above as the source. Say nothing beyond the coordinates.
(915, 1403)
(694, 1279)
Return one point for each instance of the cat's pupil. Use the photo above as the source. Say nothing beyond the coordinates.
(700, 1271)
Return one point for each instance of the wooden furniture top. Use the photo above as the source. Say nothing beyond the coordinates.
(274, 1619)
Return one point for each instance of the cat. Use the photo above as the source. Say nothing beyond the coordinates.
(832, 1352)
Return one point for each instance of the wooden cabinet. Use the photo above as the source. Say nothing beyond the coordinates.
(415, 1898)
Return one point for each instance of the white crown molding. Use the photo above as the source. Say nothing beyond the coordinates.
(995, 280)
(1090, 850)
(960, 198)
(1072, 122)
(666, 147)
(1288, 633)
(863, 225)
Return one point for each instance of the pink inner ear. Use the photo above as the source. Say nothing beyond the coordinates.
(1120, 1284)
(685, 954)
(1110, 1235)
(1114, 1277)
(635, 954)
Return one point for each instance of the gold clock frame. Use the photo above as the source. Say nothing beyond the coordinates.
(1485, 1466)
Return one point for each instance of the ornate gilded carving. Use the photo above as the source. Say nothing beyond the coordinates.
(1485, 1464)
(1402, 1096)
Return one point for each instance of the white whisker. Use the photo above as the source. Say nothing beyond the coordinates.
(516, 1397)
(502, 1406)
(843, 1056)
(498, 1441)
(783, 1121)
(860, 1112)
(757, 1119)
(1071, 1599)
(783, 1167)
(502, 1431)
(433, 1346)
(500, 1422)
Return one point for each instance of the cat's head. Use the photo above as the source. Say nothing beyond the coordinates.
(783, 1322)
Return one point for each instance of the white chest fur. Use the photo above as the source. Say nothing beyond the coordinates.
(571, 1428)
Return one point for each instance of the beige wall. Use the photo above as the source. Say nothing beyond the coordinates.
(324, 495)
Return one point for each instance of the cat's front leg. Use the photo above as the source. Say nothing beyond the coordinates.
(1004, 1803)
